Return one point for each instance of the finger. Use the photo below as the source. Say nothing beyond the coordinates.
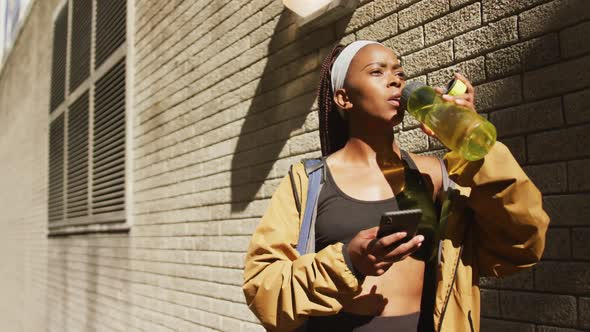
(402, 256)
(465, 103)
(406, 248)
(446, 97)
(439, 91)
(470, 89)
(369, 233)
(388, 240)
(384, 265)
(411, 246)
(469, 95)
(427, 130)
(370, 246)
(459, 101)
(371, 258)
(465, 96)
(373, 290)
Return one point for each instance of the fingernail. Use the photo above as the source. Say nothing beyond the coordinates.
(420, 238)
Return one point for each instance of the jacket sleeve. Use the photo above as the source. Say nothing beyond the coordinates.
(510, 221)
(281, 287)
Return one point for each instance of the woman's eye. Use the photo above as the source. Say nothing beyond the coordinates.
(401, 74)
(375, 72)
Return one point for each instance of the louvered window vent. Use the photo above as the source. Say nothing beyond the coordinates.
(88, 120)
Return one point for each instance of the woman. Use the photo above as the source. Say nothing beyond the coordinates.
(491, 225)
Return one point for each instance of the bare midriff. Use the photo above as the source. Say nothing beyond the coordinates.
(397, 292)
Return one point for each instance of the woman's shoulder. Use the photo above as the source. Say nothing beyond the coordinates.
(429, 166)
(427, 163)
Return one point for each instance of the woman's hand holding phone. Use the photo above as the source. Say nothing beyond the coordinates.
(373, 256)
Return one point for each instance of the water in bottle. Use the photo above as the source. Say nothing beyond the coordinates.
(457, 127)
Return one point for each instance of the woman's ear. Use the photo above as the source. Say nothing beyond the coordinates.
(341, 99)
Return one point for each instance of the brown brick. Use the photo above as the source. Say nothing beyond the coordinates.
(518, 281)
(522, 56)
(413, 140)
(579, 175)
(571, 40)
(523, 119)
(497, 94)
(555, 329)
(504, 62)
(577, 107)
(549, 178)
(401, 4)
(473, 69)
(584, 312)
(362, 16)
(559, 144)
(557, 79)
(386, 7)
(436, 153)
(568, 210)
(581, 243)
(455, 23)
(552, 16)
(420, 12)
(407, 42)
(495, 9)
(379, 30)
(557, 244)
(569, 278)
(494, 35)
(435, 144)
(434, 57)
(538, 308)
(516, 145)
(490, 306)
(460, 3)
(410, 122)
(495, 325)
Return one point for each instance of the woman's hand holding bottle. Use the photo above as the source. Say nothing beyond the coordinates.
(466, 100)
(452, 118)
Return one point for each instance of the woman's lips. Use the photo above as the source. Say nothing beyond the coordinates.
(394, 102)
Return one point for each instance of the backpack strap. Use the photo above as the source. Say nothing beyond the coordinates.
(447, 188)
(446, 180)
(315, 172)
(294, 188)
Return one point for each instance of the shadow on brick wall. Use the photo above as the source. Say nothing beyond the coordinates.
(535, 91)
(75, 299)
(282, 101)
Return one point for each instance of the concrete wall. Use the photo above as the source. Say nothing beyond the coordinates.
(224, 101)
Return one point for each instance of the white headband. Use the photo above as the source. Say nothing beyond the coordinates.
(340, 66)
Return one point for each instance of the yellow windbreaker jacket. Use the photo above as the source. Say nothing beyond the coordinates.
(494, 225)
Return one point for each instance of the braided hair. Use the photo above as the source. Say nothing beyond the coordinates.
(333, 128)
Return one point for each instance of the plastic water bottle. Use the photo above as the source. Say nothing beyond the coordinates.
(457, 127)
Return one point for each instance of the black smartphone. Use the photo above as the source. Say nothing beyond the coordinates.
(400, 221)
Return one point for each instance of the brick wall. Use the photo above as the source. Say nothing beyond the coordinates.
(223, 101)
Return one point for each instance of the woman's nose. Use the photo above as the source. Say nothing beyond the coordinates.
(395, 81)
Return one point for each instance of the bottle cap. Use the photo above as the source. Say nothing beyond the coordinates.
(407, 91)
(456, 87)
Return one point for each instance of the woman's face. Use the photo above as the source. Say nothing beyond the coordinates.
(374, 82)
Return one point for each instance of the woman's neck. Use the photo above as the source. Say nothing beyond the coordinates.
(372, 147)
